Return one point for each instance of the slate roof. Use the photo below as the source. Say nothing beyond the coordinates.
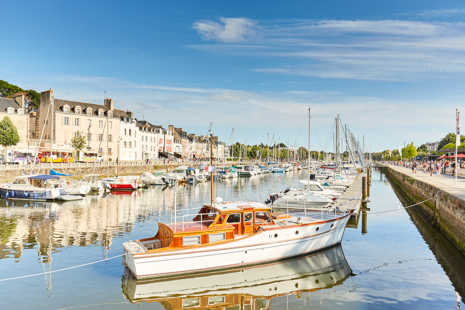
(59, 103)
(6, 103)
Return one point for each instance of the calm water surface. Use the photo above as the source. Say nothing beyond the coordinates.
(393, 264)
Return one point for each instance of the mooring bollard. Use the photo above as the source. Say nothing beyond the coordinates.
(364, 188)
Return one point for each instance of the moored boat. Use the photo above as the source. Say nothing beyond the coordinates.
(231, 235)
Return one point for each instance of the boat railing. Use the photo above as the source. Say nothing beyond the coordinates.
(182, 219)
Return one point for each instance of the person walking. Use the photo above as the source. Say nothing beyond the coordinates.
(431, 168)
(438, 169)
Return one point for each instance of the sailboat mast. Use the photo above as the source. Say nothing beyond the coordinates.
(51, 134)
(211, 166)
(309, 119)
(233, 146)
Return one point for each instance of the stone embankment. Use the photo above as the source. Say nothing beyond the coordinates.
(9, 172)
(446, 211)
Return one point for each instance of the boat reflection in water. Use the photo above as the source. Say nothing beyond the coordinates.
(252, 288)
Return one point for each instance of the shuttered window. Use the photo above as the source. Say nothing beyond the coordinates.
(190, 240)
(217, 237)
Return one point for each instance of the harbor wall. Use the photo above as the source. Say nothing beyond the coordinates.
(446, 211)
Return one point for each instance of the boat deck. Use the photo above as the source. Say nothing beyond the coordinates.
(352, 198)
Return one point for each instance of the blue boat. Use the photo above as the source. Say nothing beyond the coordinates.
(31, 187)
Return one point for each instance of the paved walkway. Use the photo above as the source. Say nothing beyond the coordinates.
(444, 182)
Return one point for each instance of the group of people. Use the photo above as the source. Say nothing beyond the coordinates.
(429, 166)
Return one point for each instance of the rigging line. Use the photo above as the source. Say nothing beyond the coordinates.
(418, 203)
(63, 269)
(302, 126)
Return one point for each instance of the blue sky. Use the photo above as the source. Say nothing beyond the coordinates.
(393, 70)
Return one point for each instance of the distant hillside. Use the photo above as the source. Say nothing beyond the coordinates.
(7, 90)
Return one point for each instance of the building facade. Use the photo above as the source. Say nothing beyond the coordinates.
(15, 110)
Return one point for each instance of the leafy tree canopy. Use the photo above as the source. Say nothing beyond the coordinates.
(410, 151)
(79, 141)
(8, 90)
(8, 133)
(449, 138)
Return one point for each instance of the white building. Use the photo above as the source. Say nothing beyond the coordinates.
(14, 109)
(128, 139)
(147, 140)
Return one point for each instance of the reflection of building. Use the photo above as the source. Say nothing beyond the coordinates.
(14, 109)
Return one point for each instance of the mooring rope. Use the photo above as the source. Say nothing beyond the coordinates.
(416, 204)
(63, 269)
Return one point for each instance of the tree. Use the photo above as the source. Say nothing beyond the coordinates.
(410, 151)
(449, 138)
(452, 146)
(79, 141)
(8, 133)
(422, 148)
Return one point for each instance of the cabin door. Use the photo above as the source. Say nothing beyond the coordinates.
(247, 223)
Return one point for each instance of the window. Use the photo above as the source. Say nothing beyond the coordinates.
(146, 139)
(76, 134)
(125, 144)
(10, 111)
(89, 136)
(135, 134)
(262, 217)
(99, 150)
(109, 125)
(109, 151)
(100, 137)
(190, 240)
(161, 141)
(234, 218)
(100, 113)
(216, 300)
(124, 131)
(248, 217)
(135, 144)
(130, 144)
(78, 111)
(66, 120)
(89, 122)
(89, 112)
(20, 112)
(190, 302)
(216, 237)
(76, 122)
(66, 109)
(100, 124)
(109, 114)
(129, 131)
(109, 138)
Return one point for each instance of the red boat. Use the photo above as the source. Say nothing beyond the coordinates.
(121, 183)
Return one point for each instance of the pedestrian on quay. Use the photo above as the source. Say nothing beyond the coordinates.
(438, 169)
(413, 167)
(431, 169)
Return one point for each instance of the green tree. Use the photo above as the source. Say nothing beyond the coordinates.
(7, 90)
(78, 142)
(452, 146)
(410, 151)
(422, 148)
(8, 133)
(449, 138)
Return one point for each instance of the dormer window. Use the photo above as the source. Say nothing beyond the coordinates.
(20, 112)
(77, 110)
(110, 114)
(66, 109)
(11, 111)
(89, 111)
(100, 112)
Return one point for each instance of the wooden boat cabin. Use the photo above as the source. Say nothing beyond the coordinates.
(220, 223)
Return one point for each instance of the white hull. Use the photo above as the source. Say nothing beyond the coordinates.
(269, 245)
(313, 272)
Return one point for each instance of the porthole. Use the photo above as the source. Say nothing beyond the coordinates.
(296, 285)
(245, 252)
(275, 288)
(271, 236)
(317, 281)
(276, 235)
(318, 228)
(332, 225)
(296, 232)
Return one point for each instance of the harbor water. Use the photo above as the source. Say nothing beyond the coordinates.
(390, 260)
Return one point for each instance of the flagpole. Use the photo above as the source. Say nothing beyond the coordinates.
(457, 140)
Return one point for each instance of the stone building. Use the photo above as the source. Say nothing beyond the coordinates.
(14, 109)
(180, 136)
(128, 140)
(99, 123)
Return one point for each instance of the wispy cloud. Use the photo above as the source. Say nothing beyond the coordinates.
(229, 30)
(440, 13)
(393, 50)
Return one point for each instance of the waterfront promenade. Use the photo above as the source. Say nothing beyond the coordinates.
(445, 182)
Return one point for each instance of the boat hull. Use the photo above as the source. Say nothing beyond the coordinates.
(123, 186)
(274, 244)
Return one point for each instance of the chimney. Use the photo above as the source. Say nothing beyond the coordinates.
(109, 103)
(46, 98)
(20, 98)
(130, 114)
(171, 128)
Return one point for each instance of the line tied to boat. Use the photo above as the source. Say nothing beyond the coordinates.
(121, 255)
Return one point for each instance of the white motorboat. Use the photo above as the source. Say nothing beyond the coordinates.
(93, 181)
(298, 199)
(231, 235)
(148, 178)
(319, 190)
(72, 187)
(179, 173)
(31, 187)
(247, 288)
(195, 176)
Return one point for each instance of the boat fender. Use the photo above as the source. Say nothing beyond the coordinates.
(7, 195)
(12, 193)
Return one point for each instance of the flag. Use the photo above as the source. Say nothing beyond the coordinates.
(400, 152)
(210, 169)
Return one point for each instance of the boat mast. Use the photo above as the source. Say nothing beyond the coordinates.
(267, 148)
(211, 166)
(233, 146)
(51, 134)
(309, 118)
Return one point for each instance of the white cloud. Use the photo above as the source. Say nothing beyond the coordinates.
(392, 50)
(230, 30)
(440, 13)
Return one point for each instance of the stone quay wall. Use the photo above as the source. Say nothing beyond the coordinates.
(446, 211)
